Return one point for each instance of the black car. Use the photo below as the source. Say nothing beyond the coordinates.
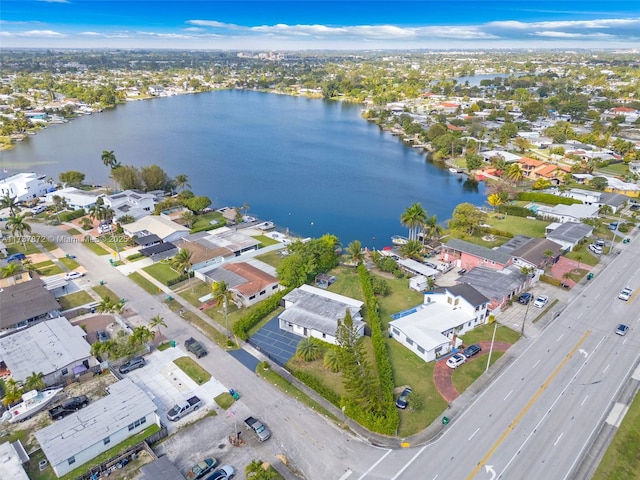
(525, 298)
(137, 362)
(403, 399)
(462, 271)
(472, 350)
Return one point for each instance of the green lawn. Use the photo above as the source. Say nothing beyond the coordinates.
(144, 283)
(583, 255)
(618, 169)
(105, 292)
(73, 231)
(193, 370)
(164, 346)
(485, 332)
(193, 290)
(28, 248)
(411, 370)
(468, 373)
(347, 283)
(95, 248)
(621, 461)
(399, 299)
(47, 268)
(47, 244)
(161, 272)
(70, 263)
(204, 221)
(224, 400)
(519, 225)
(272, 258)
(265, 241)
(74, 300)
(316, 368)
(209, 330)
(117, 246)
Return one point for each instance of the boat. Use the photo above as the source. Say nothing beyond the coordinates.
(32, 402)
(455, 170)
(399, 240)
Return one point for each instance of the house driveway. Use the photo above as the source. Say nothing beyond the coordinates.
(276, 344)
(564, 265)
(442, 373)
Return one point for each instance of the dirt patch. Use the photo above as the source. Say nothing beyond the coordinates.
(98, 322)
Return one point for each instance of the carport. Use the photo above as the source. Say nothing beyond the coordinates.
(276, 344)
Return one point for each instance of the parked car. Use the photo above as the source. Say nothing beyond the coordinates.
(136, 362)
(600, 243)
(625, 294)
(472, 350)
(525, 298)
(102, 335)
(541, 301)
(622, 329)
(403, 399)
(226, 472)
(200, 469)
(462, 271)
(73, 275)
(613, 226)
(16, 256)
(104, 228)
(456, 360)
(38, 209)
(595, 249)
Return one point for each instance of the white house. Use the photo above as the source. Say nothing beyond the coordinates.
(54, 348)
(431, 330)
(568, 213)
(12, 456)
(130, 202)
(167, 230)
(75, 198)
(103, 424)
(25, 186)
(568, 234)
(314, 312)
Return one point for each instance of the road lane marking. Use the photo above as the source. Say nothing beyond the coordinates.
(408, 463)
(606, 368)
(474, 433)
(583, 401)
(625, 341)
(579, 316)
(597, 296)
(556, 442)
(536, 364)
(529, 404)
(508, 394)
(376, 464)
(346, 475)
(560, 337)
(434, 478)
(616, 414)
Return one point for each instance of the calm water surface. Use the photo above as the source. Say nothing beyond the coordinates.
(311, 166)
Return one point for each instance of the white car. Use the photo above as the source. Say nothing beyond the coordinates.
(541, 301)
(625, 294)
(456, 360)
(595, 249)
(73, 275)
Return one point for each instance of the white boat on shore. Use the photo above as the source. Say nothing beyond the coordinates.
(455, 170)
(399, 240)
(32, 402)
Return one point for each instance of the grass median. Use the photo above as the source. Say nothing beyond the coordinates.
(193, 370)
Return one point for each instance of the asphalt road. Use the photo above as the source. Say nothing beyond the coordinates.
(539, 416)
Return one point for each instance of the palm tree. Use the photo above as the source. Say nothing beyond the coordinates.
(9, 202)
(514, 172)
(95, 210)
(181, 182)
(109, 159)
(18, 223)
(412, 218)
(141, 335)
(34, 381)
(181, 262)
(12, 393)
(308, 350)
(579, 259)
(331, 360)
(11, 269)
(188, 217)
(431, 230)
(157, 322)
(412, 249)
(59, 204)
(107, 305)
(245, 208)
(222, 295)
(354, 252)
(549, 255)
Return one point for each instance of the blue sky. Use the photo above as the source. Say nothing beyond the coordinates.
(301, 24)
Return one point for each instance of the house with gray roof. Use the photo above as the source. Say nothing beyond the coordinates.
(431, 330)
(567, 213)
(24, 300)
(527, 252)
(469, 255)
(568, 234)
(499, 286)
(100, 426)
(314, 312)
(132, 203)
(54, 348)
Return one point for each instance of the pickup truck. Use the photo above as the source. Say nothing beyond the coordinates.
(180, 410)
(68, 406)
(195, 347)
(258, 428)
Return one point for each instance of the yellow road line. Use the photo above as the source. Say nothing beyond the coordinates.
(526, 408)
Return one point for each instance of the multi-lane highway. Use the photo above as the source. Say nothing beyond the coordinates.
(539, 416)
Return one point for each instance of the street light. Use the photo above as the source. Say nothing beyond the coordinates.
(491, 348)
(525, 318)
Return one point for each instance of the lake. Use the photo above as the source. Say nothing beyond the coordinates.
(309, 165)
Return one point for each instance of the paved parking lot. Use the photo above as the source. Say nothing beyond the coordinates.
(276, 344)
(167, 385)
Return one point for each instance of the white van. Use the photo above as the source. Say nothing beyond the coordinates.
(597, 249)
(38, 209)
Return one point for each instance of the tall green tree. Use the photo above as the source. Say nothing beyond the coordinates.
(154, 178)
(9, 202)
(141, 335)
(354, 252)
(412, 218)
(466, 219)
(181, 182)
(71, 178)
(34, 381)
(109, 159)
(223, 295)
(156, 322)
(18, 224)
(11, 269)
(412, 249)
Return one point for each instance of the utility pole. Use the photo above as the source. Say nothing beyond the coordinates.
(491, 349)
(525, 318)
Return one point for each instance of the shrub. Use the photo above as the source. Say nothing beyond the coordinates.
(308, 350)
(515, 211)
(264, 308)
(550, 280)
(69, 216)
(546, 198)
(181, 278)
(315, 383)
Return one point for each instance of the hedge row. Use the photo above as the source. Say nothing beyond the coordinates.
(546, 198)
(241, 327)
(550, 280)
(388, 422)
(68, 216)
(315, 383)
(515, 211)
(497, 232)
(181, 278)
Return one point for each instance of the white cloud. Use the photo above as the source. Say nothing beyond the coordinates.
(54, 1)
(598, 23)
(41, 34)
(586, 36)
(212, 23)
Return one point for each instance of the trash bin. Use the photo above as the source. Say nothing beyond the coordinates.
(232, 392)
(445, 420)
(172, 343)
(236, 395)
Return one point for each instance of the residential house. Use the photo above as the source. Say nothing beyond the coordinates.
(431, 330)
(499, 286)
(314, 313)
(567, 213)
(161, 469)
(25, 186)
(529, 166)
(25, 301)
(568, 234)
(13, 456)
(130, 203)
(508, 157)
(100, 426)
(54, 348)
(155, 90)
(76, 199)
(167, 230)
(209, 249)
(531, 253)
(469, 255)
(249, 281)
(615, 201)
